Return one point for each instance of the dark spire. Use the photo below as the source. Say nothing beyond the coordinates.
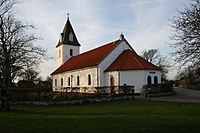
(67, 16)
(68, 37)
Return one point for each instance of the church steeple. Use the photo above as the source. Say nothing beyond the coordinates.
(68, 37)
(68, 45)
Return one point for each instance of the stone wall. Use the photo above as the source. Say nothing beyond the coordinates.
(78, 101)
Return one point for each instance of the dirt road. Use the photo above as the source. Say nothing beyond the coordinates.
(183, 95)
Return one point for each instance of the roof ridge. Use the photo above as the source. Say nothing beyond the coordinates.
(130, 60)
(123, 59)
(97, 47)
(114, 43)
(138, 60)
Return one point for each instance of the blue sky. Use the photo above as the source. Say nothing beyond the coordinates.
(145, 23)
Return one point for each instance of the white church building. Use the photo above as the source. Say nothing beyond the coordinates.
(113, 64)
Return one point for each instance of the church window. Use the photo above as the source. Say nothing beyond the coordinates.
(149, 80)
(78, 81)
(55, 82)
(59, 53)
(69, 81)
(61, 81)
(71, 37)
(155, 80)
(71, 52)
(89, 79)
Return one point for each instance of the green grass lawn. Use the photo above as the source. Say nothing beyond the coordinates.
(138, 116)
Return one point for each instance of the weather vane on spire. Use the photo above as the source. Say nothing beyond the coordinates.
(67, 15)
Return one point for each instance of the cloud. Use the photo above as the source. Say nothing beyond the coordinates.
(144, 22)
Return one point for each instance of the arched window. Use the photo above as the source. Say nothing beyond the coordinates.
(68, 81)
(61, 81)
(149, 80)
(89, 79)
(55, 82)
(78, 81)
(155, 80)
(59, 53)
(71, 38)
(71, 52)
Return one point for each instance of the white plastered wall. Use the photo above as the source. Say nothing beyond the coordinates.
(115, 75)
(64, 54)
(138, 78)
(107, 61)
(83, 75)
(152, 73)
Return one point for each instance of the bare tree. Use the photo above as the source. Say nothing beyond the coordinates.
(47, 83)
(28, 75)
(191, 73)
(16, 48)
(151, 55)
(154, 57)
(186, 34)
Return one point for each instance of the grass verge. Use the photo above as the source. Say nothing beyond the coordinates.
(116, 117)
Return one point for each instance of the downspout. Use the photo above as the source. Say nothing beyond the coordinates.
(119, 77)
(119, 81)
(97, 75)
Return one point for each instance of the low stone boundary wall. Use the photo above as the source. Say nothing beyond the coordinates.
(161, 94)
(78, 101)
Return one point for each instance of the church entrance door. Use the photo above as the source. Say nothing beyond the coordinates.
(112, 85)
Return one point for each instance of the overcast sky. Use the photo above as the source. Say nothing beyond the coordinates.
(145, 23)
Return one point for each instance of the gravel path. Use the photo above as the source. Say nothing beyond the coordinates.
(183, 95)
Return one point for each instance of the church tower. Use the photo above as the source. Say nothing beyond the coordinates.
(68, 45)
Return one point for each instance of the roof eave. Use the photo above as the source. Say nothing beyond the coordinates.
(131, 69)
(53, 73)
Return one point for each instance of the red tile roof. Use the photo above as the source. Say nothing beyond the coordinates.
(130, 60)
(87, 59)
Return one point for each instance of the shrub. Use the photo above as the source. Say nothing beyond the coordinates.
(157, 88)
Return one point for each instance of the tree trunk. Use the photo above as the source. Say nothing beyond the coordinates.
(4, 99)
(5, 104)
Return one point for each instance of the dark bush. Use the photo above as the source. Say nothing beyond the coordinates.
(157, 88)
